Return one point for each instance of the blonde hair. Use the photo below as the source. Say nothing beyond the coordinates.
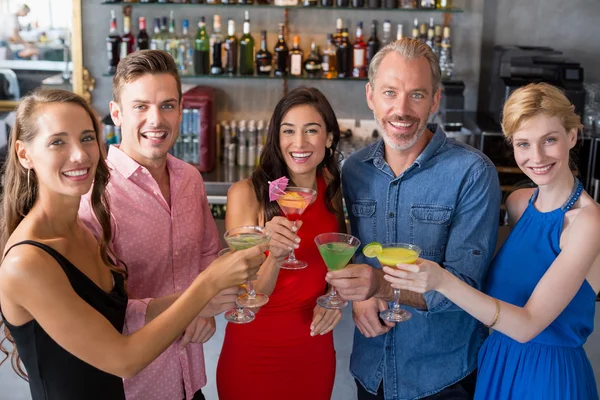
(140, 63)
(410, 49)
(534, 99)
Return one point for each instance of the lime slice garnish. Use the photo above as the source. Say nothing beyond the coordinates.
(372, 250)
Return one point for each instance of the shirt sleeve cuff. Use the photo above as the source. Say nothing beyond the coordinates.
(135, 317)
(436, 302)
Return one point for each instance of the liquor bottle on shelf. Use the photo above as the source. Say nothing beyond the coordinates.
(374, 4)
(231, 49)
(164, 34)
(155, 40)
(423, 32)
(326, 3)
(427, 4)
(446, 61)
(296, 56)
(247, 2)
(329, 63)
(230, 2)
(213, 1)
(142, 40)
(172, 42)
(113, 43)
(127, 40)
(358, 3)
(185, 55)
(387, 32)
(281, 53)
(443, 4)
(373, 44)
(430, 37)
(310, 3)
(337, 36)
(399, 32)
(264, 59)
(390, 4)
(202, 50)
(312, 65)
(342, 3)
(216, 46)
(344, 56)
(437, 40)
(415, 30)
(247, 48)
(408, 3)
(359, 54)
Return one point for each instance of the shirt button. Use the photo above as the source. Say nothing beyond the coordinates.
(388, 348)
(395, 183)
(177, 253)
(154, 191)
(135, 174)
(391, 215)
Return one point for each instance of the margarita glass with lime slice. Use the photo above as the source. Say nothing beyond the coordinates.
(292, 204)
(390, 255)
(243, 238)
(336, 249)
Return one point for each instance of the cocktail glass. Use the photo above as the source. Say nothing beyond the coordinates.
(238, 315)
(293, 204)
(243, 238)
(336, 249)
(391, 255)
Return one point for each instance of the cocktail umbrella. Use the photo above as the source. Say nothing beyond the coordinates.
(277, 188)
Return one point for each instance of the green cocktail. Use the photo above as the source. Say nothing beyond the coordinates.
(243, 238)
(336, 255)
(336, 249)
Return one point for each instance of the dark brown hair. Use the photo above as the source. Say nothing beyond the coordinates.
(140, 63)
(272, 164)
(19, 195)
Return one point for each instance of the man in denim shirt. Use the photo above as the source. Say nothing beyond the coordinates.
(416, 186)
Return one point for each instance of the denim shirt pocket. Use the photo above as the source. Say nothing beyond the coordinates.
(429, 226)
(365, 213)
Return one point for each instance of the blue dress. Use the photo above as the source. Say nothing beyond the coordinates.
(553, 365)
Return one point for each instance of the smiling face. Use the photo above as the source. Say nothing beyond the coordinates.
(303, 138)
(541, 147)
(402, 99)
(64, 153)
(149, 114)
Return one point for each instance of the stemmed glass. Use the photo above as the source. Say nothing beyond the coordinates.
(336, 249)
(391, 255)
(238, 315)
(292, 204)
(243, 238)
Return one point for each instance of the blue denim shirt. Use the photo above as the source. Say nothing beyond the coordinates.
(447, 203)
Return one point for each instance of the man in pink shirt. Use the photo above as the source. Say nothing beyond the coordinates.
(163, 229)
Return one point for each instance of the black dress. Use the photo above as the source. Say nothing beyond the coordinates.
(56, 374)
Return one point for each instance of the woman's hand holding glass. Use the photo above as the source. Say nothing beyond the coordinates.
(420, 277)
(284, 237)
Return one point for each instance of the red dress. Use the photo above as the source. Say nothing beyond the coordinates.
(274, 357)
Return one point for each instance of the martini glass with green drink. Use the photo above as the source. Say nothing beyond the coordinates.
(336, 249)
(243, 238)
(390, 255)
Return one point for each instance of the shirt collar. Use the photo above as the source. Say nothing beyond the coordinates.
(127, 166)
(377, 152)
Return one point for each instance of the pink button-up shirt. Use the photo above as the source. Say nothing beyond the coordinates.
(164, 248)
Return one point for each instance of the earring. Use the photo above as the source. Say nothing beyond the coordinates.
(28, 177)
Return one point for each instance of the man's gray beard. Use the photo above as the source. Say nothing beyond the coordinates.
(389, 141)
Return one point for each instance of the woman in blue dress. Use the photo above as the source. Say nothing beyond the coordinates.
(542, 285)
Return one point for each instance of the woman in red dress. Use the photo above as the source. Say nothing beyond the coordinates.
(287, 351)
